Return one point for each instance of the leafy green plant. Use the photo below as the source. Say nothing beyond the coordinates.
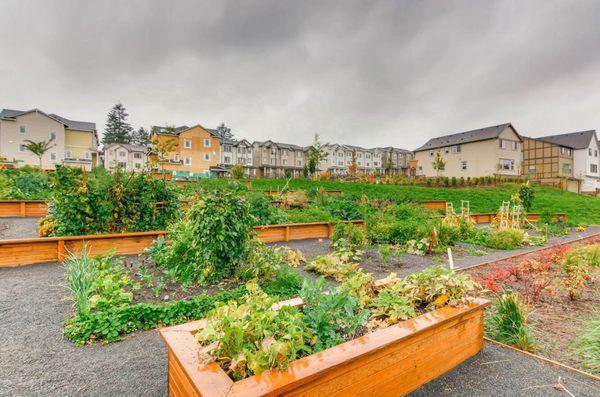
(210, 242)
(237, 172)
(80, 274)
(508, 323)
(344, 209)
(505, 239)
(393, 303)
(526, 196)
(250, 337)
(438, 286)
(354, 235)
(336, 265)
(361, 286)
(385, 251)
(332, 315)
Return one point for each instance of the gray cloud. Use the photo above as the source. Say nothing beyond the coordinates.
(359, 72)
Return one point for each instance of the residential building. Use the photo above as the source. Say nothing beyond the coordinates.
(586, 158)
(75, 142)
(337, 161)
(237, 152)
(394, 161)
(489, 151)
(274, 159)
(125, 156)
(196, 152)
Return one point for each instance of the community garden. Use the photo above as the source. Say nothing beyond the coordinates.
(387, 267)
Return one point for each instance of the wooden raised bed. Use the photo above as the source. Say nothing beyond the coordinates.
(434, 205)
(388, 362)
(54, 249)
(22, 208)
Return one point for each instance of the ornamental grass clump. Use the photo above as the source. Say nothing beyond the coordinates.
(80, 276)
(588, 345)
(210, 242)
(509, 324)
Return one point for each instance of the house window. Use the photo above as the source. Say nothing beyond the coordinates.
(283, 161)
(340, 154)
(340, 163)
(177, 158)
(249, 150)
(137, 156)
(593, 168)
(299, 163)
(249, 161)
(502, 143)
(53, 156)
(284, 152)
(227, 148)
(122, 164)
(187, 161)
(272, 161)
(507, 165)
(273, 152)
(22, 147)
(68, 154)
(122, 154)
(360, 155)
(463, 165)
(595, 153)
(138, 165)
(22, 129)
(187, 143)
(456, 149)
(514, 145)
(206, 156)
(590, 151)
(52, 135)
(566, 168)
(206, 142)
(532, 168)
(227, 160)
(88, 156)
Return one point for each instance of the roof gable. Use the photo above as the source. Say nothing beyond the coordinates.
(573, 140)
(481, 134)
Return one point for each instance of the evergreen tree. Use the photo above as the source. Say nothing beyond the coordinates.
(224, 131)
(141, 137)
(117, 130)
(316, 154)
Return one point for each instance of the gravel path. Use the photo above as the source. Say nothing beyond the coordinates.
(18, 228)
(36, 361)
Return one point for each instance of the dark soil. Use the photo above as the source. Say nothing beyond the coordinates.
(556, 319)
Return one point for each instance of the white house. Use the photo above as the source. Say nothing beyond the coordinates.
(586, 158)
(125, 156)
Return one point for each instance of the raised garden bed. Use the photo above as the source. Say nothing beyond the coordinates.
(435, 205)
(53, 249)
(392, 361)
(23, 208)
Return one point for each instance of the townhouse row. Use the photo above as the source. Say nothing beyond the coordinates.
(571, 160)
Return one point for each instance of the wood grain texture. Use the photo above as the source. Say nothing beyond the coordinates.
(434, 205)
(388, 362)
(23, 208)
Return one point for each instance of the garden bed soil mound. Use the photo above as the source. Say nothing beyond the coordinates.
(556, 320)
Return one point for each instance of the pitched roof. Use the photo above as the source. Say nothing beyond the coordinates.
(130, 147)
(163, 130)
(76, 125)
(480, 134)
(279, 145)
(574, 140)
(71, 124)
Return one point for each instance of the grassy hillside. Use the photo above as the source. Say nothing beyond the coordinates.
(581, 209)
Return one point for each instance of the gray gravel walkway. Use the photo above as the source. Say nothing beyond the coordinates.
(11, 228)
(36, 361)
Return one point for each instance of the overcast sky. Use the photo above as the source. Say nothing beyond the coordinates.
(371, 73)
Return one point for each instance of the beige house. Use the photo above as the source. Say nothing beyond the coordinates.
(274, 159)
(125, 156)
(490, 151)
(75, 142)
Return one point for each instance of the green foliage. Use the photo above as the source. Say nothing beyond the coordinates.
(26, 183)
(263, 212)
(437, 286)
(508, 323)
(401, 223)
(237, 172)
(505, 239)
(110, 324)
(252, 336)
(117, 130)
(310, 214)
(354, 235)
(346, 210)
(103, 202)
(588, 345)
(80, 275)
(210, 242)
(385, 251)
(361, 286)
(393, 304)
(338, 264)
(526, 194)
(332, 315)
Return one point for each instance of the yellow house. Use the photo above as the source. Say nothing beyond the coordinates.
(185, 149)
(74, 143)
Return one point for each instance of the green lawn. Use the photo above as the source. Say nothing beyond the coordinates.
(580, 209)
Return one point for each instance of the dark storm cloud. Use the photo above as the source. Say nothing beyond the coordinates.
(359, 72)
